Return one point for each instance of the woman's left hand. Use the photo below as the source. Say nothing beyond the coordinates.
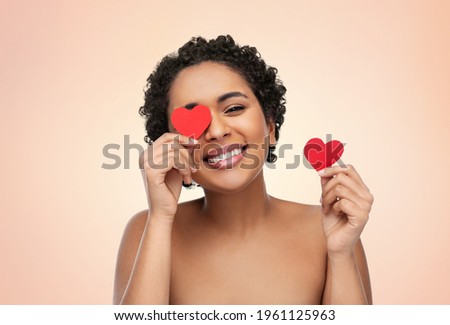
(346, 203)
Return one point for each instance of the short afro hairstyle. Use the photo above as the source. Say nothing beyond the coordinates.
(245, 60)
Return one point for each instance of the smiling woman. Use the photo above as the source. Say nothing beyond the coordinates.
(237, 120)
(237, 244)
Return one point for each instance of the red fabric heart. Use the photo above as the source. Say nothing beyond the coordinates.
(321, 155)
(191, 122)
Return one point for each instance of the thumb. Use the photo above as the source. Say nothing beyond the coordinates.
(324, 177)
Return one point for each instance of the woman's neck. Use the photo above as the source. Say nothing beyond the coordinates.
(240, 211)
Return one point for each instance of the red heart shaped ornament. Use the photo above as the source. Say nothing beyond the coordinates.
(321, 155)
(191, 122)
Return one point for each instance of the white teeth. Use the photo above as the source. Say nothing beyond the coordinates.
(224, 156)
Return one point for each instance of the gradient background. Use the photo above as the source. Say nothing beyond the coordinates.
(374, 74)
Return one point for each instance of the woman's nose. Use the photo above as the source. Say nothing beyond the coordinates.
(217, 129)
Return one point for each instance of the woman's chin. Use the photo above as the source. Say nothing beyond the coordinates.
(227, 184)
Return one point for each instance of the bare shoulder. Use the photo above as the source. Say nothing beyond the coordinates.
(131, 240)
(302, 221)
(132, 235)
(127, 252)
(137, 222)
(136, 225)
(188, 207)
(296, 207)
(307, 220)
(186, 218)
(305, 214)
(134, 230)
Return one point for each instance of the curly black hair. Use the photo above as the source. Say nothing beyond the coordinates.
(246, 60)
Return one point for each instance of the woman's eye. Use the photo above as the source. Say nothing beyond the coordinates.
(234, 109)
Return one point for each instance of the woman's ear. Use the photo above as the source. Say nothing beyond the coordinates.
(272, 139)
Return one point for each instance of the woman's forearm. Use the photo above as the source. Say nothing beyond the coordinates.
(149, 281)
(344, 285)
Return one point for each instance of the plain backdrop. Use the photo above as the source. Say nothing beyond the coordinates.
(373, 74)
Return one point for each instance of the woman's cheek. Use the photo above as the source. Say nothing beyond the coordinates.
(253, 157)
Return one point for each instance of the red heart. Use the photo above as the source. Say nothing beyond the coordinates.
(321, 155)
(191, 122)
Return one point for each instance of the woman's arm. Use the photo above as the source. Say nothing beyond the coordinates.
(348, 280)
(346, 203)
(143, 262)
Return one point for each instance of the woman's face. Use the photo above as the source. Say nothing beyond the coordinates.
(234, 147)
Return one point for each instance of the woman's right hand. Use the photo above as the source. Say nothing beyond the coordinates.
(165, 164)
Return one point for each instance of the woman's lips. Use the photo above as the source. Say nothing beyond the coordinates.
(225, 157)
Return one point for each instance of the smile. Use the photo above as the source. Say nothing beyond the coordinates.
(225, 157)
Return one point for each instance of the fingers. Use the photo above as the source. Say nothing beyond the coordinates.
(186, 162)
(343, 179)
(341, 192)
(357, 217)
(170, 137)
(339, 183)
(349, 170)
(170, 151)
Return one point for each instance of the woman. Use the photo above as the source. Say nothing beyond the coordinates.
(237, 244)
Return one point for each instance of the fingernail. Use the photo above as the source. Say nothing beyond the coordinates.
(192, 140)
(322, 171)
(193, 169)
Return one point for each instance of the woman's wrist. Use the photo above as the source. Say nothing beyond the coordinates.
(161, 219)
(345, 256)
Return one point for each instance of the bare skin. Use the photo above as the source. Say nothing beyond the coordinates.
(238, 245)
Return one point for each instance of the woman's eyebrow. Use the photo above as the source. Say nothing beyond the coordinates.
(224, 97)
(221, 98)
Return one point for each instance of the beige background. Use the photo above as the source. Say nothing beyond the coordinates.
(374, 74)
